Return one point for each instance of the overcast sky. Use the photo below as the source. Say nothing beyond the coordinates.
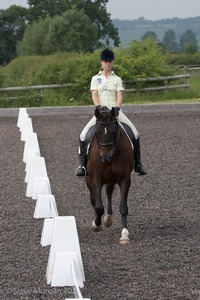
(134, 9)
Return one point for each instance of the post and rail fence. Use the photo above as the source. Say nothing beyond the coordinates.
(166, 80)
(160, 87)
(30, 88)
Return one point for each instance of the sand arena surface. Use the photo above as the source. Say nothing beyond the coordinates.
(162, 260)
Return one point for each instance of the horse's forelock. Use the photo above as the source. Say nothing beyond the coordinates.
(104, 109)
(105, 116)
(105, 113)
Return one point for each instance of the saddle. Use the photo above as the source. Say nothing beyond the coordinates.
(91, 133)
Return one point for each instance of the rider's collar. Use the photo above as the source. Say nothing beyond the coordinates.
(101, 73)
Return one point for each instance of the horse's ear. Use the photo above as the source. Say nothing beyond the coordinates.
(113, 112)
(97, 112)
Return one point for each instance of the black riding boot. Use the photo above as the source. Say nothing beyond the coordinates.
(81, 170)
(139, 167)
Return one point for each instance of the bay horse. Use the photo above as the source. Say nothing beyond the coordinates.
(110, 162)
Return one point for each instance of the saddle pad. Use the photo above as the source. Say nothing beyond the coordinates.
(89, 137)
(129, 133)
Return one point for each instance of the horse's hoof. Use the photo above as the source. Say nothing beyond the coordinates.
(96, 228)
(124, 241)
(107, 221)
(124, 238)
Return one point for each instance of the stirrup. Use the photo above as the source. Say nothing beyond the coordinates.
(80, 171)
(142, 170)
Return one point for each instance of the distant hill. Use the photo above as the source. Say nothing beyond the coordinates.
(135, 29)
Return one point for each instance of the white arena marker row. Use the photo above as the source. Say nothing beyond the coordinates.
(28, 128)
(63, 275)
(64, 239)
(41, 187)
(25, 123)
(65, 266)
(45, 207)
(31, 147)
(22, 114)
(37, 170)
(47, 232)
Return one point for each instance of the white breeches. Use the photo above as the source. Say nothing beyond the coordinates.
(122, 118)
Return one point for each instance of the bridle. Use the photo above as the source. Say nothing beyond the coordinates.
(111, 144)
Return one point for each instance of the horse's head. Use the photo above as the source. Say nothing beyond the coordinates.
(107, 132)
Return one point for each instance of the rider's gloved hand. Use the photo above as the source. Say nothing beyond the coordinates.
(117, 109)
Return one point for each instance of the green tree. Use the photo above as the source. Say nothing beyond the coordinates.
(36, 40)
(42, 8)
(146, 59)
(188, 41)
(73, 31)
(7, 46)
(149, 34)
(12, 26)
(95, 10)
(15, 19)
(191, 49)
(169, 41)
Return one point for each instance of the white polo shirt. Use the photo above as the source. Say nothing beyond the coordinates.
(107, 88)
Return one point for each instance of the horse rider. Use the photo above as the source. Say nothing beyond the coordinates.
(107, 90)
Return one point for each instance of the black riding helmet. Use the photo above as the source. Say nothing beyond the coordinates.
(107, 55)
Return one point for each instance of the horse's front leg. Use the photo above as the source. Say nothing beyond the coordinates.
(123, 208)
(97, 204)
(108, 220)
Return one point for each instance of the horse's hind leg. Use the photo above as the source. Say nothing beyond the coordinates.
(108, 220)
